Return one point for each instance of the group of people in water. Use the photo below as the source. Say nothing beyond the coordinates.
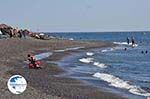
(144, 52)
(132, 40)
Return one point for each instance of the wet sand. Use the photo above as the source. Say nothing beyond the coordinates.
(42, 83)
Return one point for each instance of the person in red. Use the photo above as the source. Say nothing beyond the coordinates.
(33, 63)
(32, 60)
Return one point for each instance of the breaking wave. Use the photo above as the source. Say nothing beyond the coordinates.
(125, 43)
(101, 65)
(86, 60)
(68, 49)
(119, 83)
(121, 43)
(107, 50)
(89, 54)
(91, 60)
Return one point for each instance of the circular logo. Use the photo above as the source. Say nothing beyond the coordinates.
(17, 84)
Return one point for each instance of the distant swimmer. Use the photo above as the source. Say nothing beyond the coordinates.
(140, 41)
(128, 40)
(142, 52)
(125, 49)
(146, 51)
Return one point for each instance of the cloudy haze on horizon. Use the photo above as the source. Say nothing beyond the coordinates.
(77, 15)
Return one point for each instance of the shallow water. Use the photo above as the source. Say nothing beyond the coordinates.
(124, 72)
(115, 73)
(43, 55)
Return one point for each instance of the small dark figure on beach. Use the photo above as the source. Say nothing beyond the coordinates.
(132, 40)
(11, 33)
(128, 40)
(24, 33)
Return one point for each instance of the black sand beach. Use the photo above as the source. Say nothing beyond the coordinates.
(42, 83)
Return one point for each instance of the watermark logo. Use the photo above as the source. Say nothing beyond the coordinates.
(17, 84)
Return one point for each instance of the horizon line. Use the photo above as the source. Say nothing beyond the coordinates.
(91, 31)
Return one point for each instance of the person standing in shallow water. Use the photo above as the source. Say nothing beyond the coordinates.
(132, 40)
(128, 40)
(125, 49)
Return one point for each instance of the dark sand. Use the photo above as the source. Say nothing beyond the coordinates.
(42, 83)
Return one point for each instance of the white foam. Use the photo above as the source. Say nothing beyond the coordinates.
(101, 65)
(59, 51)
(111, 49)
(107, 50)
(86, 60)
(135, 45)
(73, 48)
(71, 39)
(104, 50)
(125, 43)
(121, 43)
(68, 49)
(139, 91)
(119, 83)
(42, 55)
(89, 54)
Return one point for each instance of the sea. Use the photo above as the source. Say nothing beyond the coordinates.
(114, 69)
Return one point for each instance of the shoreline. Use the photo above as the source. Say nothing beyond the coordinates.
(43, 82)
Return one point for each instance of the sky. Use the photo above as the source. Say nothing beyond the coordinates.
(76, 15)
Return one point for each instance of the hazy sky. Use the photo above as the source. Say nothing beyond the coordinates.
(76, 15)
